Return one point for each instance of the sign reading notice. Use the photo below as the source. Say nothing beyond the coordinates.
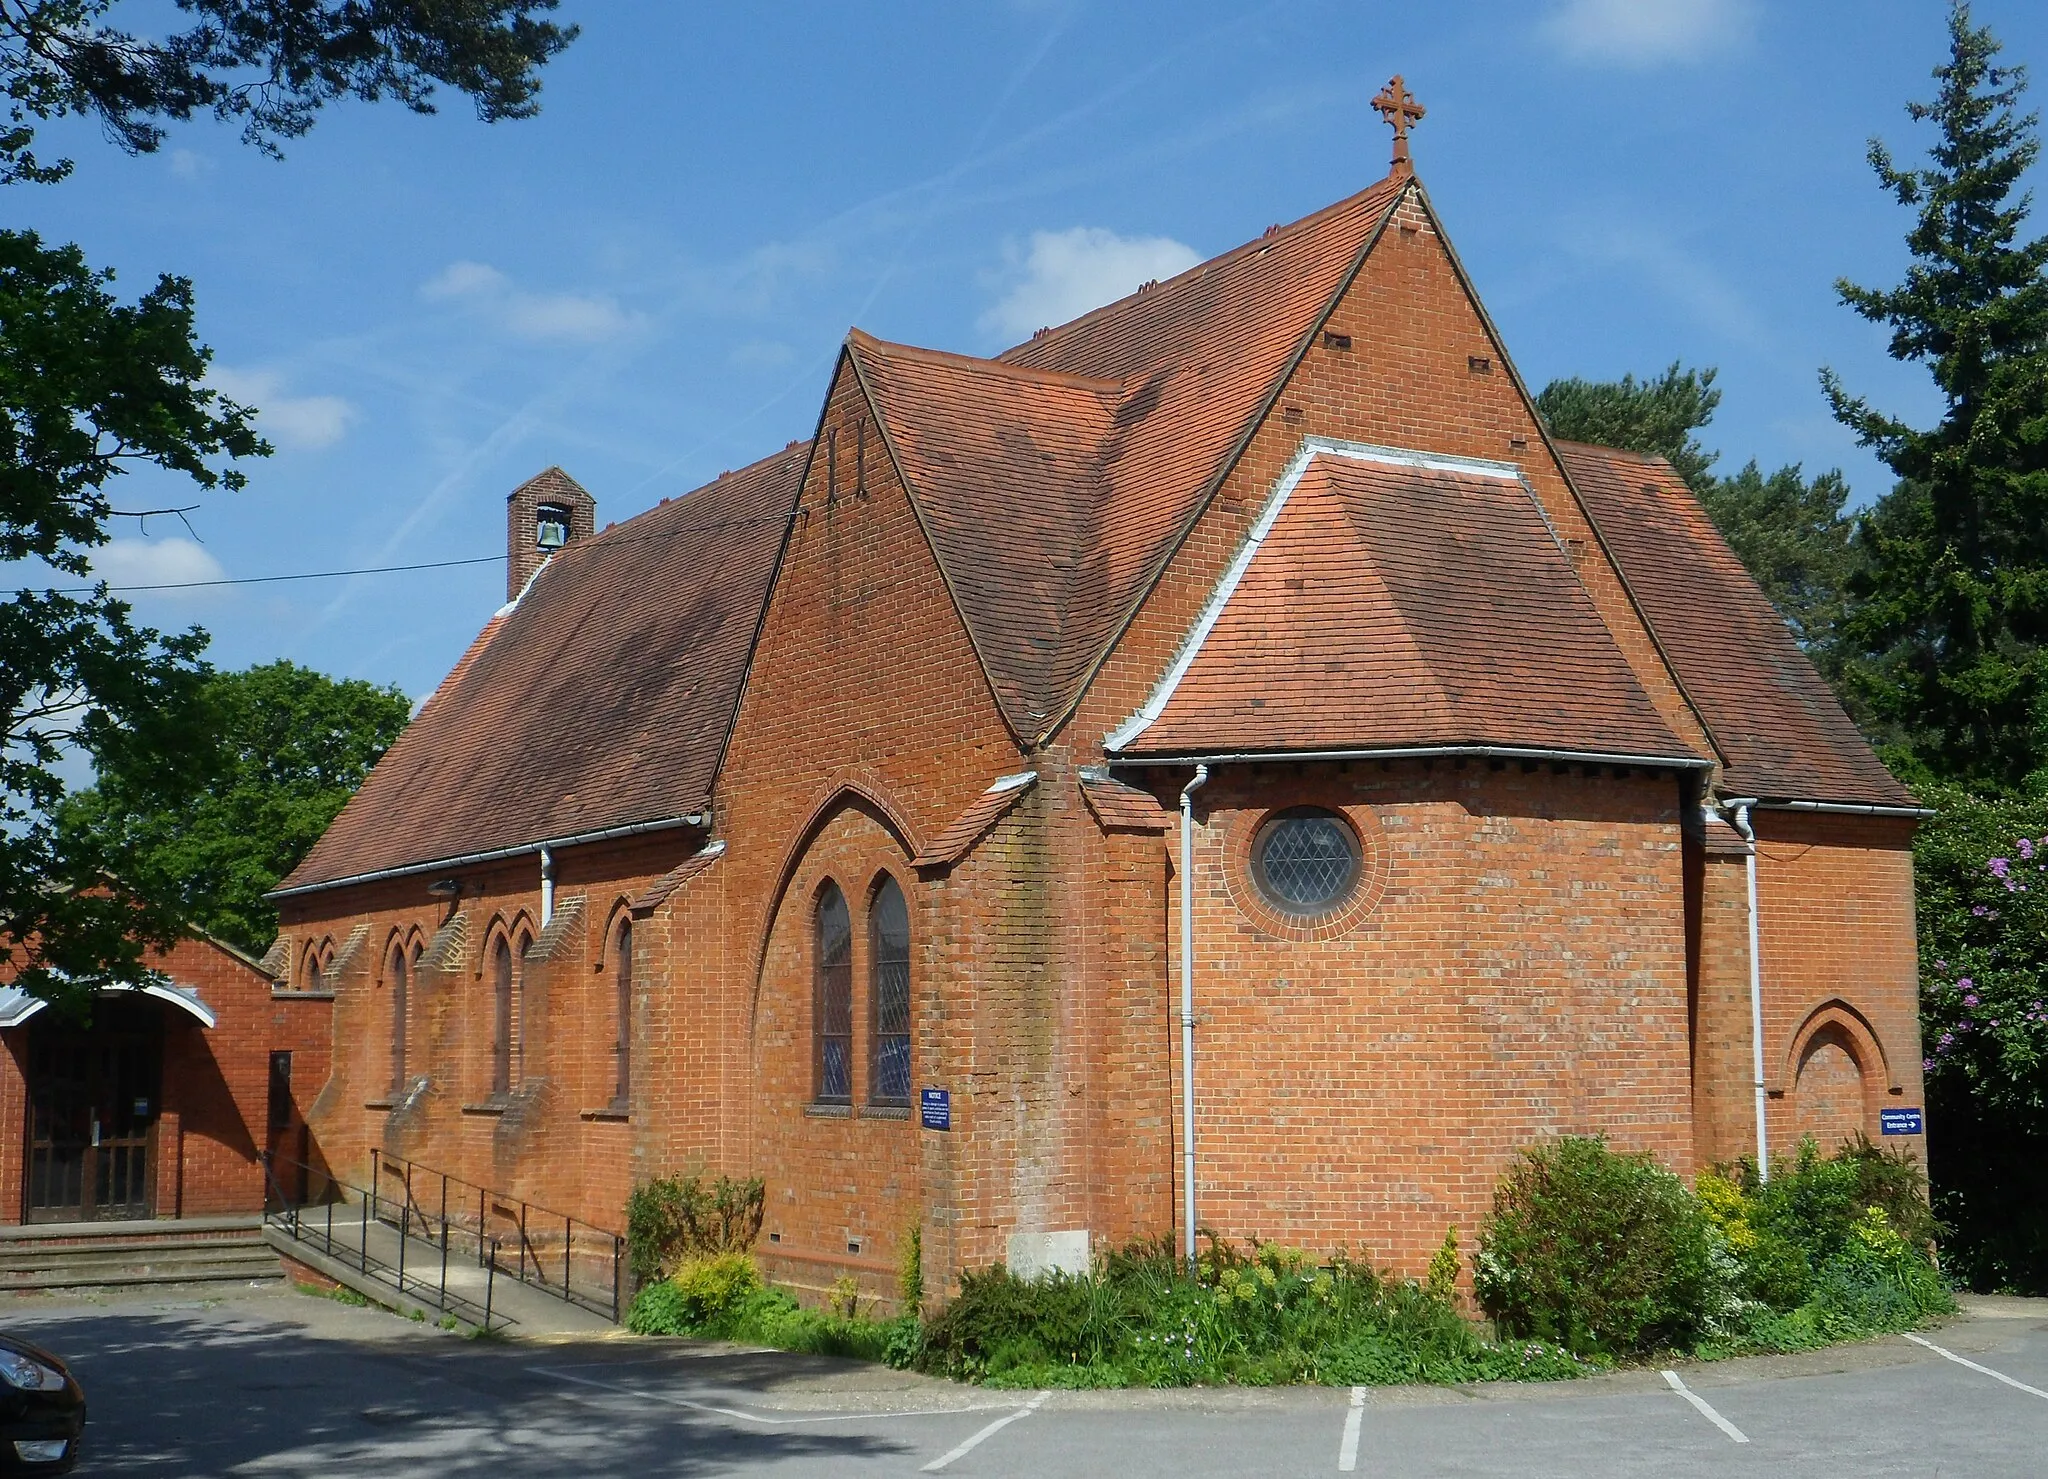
(1902, 1122)
(935, 1109)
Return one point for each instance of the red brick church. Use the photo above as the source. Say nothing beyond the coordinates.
(825, 823)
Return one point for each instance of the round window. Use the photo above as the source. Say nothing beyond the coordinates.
(1305, 861)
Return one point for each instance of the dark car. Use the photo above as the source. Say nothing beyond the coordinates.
(42, 1410)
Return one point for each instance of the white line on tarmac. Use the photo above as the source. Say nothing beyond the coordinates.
(776, 1422)
(1671, 1379)
(1994, 1375)
(988, 1432)
(1347, 1452)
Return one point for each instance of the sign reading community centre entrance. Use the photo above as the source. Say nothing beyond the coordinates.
(1901, 1121)
(935, 1109)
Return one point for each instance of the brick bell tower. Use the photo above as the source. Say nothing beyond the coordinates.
(543, 514)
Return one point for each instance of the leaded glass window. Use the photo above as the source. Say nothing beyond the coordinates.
(501, 1016)
(401, 978)
(833, 1006)
(1305, 861)
(622, 1043)
(889, 995)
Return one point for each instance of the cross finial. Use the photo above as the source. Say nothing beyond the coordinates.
(1398, 107)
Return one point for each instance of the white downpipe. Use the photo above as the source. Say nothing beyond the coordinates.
(547, 886)
(1187, 999)
(1756, 988)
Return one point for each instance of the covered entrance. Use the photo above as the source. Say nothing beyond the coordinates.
(94, 1096)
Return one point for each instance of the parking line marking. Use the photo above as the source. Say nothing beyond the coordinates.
(988, 1432)
(774, 1422)
(1671, 1379)
(1347, 1452)
(1961, 1361)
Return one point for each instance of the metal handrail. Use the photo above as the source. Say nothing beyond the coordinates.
(600, 1252)
(291, 1219)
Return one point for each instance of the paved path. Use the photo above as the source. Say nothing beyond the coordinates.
(277, 1383)
(340, 1241)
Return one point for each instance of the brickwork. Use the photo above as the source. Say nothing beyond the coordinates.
(1841, 972)
(1538, 948)
(1522, 975)
(212, 1123)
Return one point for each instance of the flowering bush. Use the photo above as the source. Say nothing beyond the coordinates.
(1983, 884)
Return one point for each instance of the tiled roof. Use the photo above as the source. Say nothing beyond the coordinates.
(1123, 808)
(601, 699)
(951, 845)
(1057, 479)
(1393, 605)
(664, 888)
(1778, 726)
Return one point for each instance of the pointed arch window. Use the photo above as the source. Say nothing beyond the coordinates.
(889, 996)
(401, 983)
(622, 1043)
(832, 1010)
(501, 1016)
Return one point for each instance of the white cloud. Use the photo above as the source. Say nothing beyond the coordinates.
(465, 280)
(1063, 274)
(301, 422)
(173, 561)
(1643, 33)
(762, 354)
(582, 318)
(187, 165)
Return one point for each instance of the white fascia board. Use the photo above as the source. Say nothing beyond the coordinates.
(1276, 502)
(17, 1006)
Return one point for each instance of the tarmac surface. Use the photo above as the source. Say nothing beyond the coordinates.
(270, 1381)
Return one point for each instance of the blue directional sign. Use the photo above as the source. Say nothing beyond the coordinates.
(1902, 1121)
(935, 1109)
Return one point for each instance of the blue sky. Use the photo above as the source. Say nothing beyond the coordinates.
(647, 283)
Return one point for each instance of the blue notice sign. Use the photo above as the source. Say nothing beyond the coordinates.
(935, 1109)
(1901, 1122)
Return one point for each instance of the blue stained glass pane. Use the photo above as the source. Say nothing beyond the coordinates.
(838, 1083)
(892, 1070)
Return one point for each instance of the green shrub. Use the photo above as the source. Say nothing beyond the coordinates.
(910, 1271)
(1257, 1315)
(1599, 1252)
(723, 1298)
(671, 1219)
(1831, 1248)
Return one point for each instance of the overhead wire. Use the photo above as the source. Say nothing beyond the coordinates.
(606, 540)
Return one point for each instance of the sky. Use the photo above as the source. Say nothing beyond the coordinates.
(648, 283)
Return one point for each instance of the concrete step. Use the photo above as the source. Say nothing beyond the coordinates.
(87, 1255)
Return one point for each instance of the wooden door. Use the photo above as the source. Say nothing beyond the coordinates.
(93, 1106)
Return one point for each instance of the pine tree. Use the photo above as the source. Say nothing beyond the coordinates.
(1951, 609)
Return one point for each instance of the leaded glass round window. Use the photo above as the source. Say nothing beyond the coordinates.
(1305, 861)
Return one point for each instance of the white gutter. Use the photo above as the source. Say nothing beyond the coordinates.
(1740, 818)
(547, 885)
(466, 860)
(1187, 998)
(1420, 752)
(1844, 808)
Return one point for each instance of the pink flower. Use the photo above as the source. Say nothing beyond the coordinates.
(1970, 1001)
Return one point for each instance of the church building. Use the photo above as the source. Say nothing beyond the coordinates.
(1242, 664)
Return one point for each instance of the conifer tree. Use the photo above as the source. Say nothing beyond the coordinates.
(1951, 609)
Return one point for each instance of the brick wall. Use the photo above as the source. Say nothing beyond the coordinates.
(1540, 953)
(1520, 973)
(213, 1118)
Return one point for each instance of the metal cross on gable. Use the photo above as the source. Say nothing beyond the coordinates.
(1398, 107)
